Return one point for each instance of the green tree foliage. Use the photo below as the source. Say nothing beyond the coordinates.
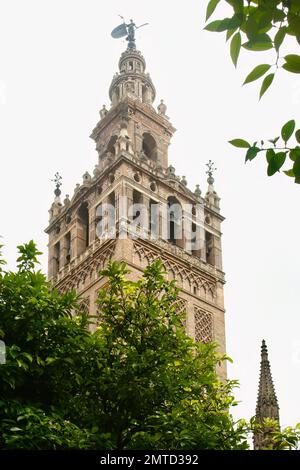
(44, 349)
(137, 381)
(288, 439)
(261, 25)
(164, 380)
(275, 439)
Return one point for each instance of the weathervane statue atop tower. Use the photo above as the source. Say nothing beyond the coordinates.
(127, 30)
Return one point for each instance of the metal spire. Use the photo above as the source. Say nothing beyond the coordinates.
(210, 172)
(57, 181)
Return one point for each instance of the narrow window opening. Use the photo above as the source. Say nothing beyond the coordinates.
(209, 243)
(149, 146)
(56, 258)
(68, 247)
(83, 214)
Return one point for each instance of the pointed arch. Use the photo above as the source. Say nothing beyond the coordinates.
(149, 146)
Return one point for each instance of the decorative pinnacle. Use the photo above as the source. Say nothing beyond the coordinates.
(266, 391)
(57, 180)
(210, 171)
(264, 352)
(197, 191)
(267, 404)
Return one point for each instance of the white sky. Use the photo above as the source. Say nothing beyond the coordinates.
(57, 60)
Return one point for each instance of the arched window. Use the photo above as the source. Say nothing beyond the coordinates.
(209, 243)
(83, 214)
(195, 240)
(110, 214)
(149, 146)
(99, 221)
(175, 232)
(136, 202)
(111, 199)
(105, 219)
(68, 247)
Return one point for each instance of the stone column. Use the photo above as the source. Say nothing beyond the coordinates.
(180, 229)
(138, 140)
(51, 262)
(92, 225)
(63, 251)
(79, 238)
(163, 210)
(217, 248)
(190, 320)
(145, 216)
(154, 220)
(128, 194)
(121, 205)
(187, 229)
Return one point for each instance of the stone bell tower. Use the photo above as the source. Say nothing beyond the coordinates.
(154, 213)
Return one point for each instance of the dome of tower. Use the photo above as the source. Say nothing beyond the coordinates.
(132, 81)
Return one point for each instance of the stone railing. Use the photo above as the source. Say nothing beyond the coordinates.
(125, 228)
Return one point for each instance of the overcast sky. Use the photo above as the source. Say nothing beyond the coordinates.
(57, 59)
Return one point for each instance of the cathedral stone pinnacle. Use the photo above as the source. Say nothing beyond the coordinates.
(184, 181)
(197, 191)
(211, 196)
(67, 200)
(267, 404)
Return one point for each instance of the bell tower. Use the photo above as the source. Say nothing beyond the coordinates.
(135, 208)
(132, 125)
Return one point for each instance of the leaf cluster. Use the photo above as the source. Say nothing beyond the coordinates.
(260, 25)
(278, 152)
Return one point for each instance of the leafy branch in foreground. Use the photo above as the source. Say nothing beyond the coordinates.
(261, 26)
(276, 156)
(287, 439)
(271, 437)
